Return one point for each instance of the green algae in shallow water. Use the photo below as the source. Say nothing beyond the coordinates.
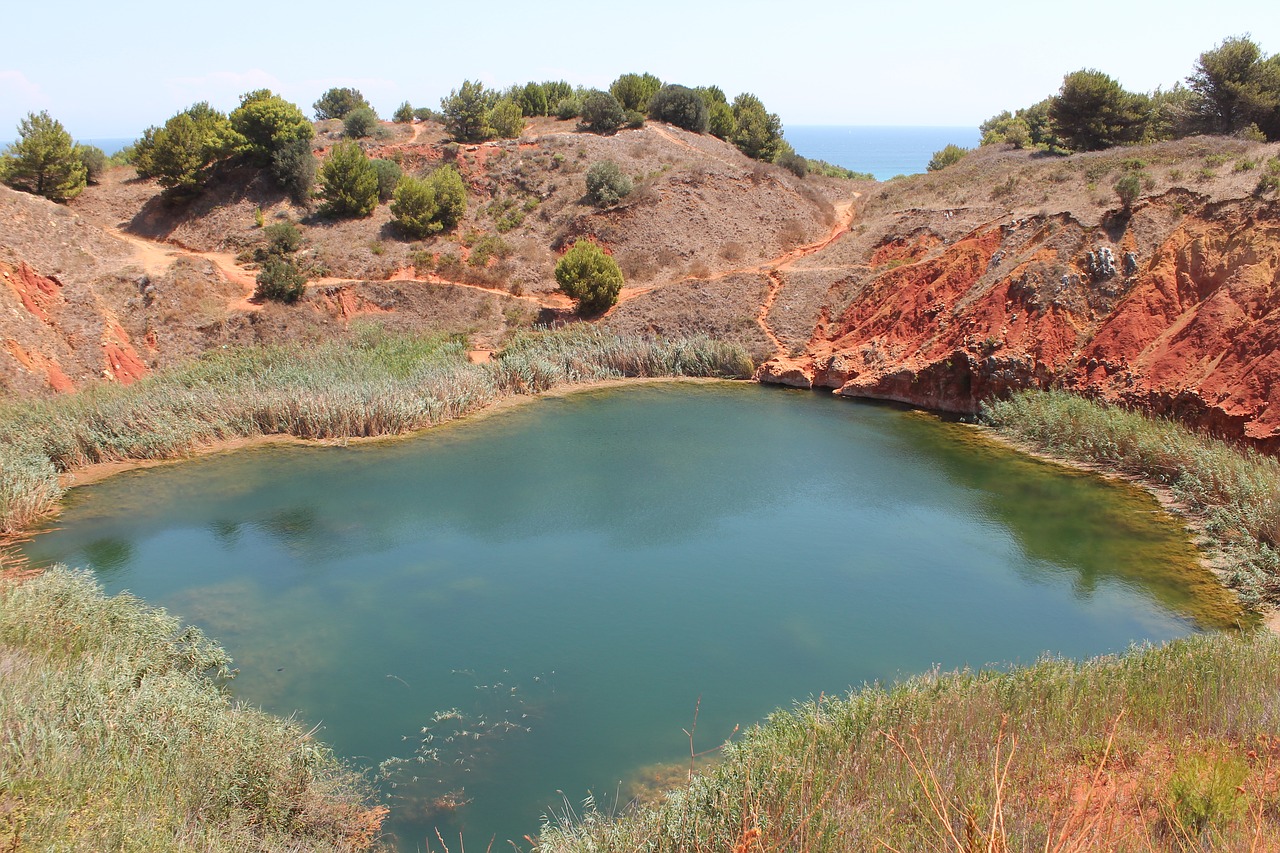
(612, 557)
(1164, 562)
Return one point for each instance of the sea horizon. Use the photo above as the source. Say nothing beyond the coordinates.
(880, 150)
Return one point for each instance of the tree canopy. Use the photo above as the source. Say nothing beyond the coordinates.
(680, 106)
(1092, 111)
(634, 91)
(268, 123)
(180, 154)
(349, 182)
(44, 160)
(466, 112)
(590, 276)
(337, 103)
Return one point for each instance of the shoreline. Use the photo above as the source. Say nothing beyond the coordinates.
(98, 472)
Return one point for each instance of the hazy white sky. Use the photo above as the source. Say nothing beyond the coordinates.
(110, 70)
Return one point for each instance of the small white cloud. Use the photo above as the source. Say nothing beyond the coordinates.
(19, 94)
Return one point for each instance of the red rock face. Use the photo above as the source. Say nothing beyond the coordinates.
(1191, 329)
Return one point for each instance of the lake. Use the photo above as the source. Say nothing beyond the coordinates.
(505, 615)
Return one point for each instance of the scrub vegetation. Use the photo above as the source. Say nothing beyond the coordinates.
(119, 735)
(375, 383)
(1166, 748)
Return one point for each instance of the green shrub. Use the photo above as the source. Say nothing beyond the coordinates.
(486, 248)
(1202, 793)
(681, 106)
(568, 107)
(181, 154)
(359, 122)
(294, 167)
(389, 174)
(606, 183)
(280, 280)
(601, 113)
(403, 113)
(947, 156)
(268, 123)
(339, 103)
(590, 276)
(283, 238)
(793, 163)
(506, 119)
(349, 182)
(44, 161)
(633, 120)
(94, 160)
(634, 91)
(427, 114)
(466, 112)
(421, 208)
(1128, 188)
(757, 132)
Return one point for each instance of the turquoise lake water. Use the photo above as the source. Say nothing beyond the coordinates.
(521, 610)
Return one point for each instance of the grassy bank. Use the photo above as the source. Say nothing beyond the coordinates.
(118, 736)
(373, 384)
(1162, 749)
(1233, 494)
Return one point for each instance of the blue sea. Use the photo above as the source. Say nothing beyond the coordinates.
(882, 151)
(109, 146)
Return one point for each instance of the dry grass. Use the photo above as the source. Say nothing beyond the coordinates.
(1124, 753)
(118, 735)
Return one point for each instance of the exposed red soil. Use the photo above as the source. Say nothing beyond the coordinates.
(940, 290)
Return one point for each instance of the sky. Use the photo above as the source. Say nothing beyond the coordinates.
(110, 71)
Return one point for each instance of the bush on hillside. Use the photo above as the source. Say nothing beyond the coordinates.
(280, 280)
(349, 182)
(681, 106)
(634, 91)
(389, 174)
(294, 169)
(268, 123)
(606, 184)
(568, 107)
(94, 160)
(339, 103)
(601, 113)
(359, 123)
(466, 112)
(757, 132)
(590, 276)
(44, 160)
(403, 113)
(506, 119)
(946, 157)
(422, 207)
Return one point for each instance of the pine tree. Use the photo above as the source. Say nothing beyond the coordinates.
(44, 160)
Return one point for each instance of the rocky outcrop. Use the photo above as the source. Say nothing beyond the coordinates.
(1182, 320)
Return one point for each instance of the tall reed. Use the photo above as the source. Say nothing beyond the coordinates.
(1234, 492)
(119, 736)
(375, 383)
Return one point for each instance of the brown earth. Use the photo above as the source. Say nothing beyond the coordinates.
(939, 290)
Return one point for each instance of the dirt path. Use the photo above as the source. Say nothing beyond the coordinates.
(772, 268)
(677, 141)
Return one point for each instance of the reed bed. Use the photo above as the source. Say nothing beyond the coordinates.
(375, 383)
(1166, 748)
(118, 735)
(1234, 493)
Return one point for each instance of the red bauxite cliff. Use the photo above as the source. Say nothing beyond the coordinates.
(1174, 307)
